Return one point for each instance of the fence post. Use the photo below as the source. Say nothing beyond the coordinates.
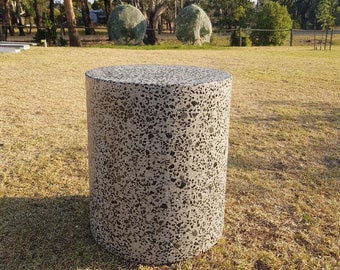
(330, 42)
(240, 36)
(291, 37)
(315, 48)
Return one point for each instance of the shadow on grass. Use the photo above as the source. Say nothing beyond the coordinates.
(296, 137)
(50, 233)
(307, 114)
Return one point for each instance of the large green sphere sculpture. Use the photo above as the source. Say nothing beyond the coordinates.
(193, 25)
(126, 25)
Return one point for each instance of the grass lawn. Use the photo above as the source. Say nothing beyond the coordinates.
(283, 195)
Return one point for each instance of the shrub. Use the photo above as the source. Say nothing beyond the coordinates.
(62, 42)
(235, 39)
(272, 17)
(49, 32)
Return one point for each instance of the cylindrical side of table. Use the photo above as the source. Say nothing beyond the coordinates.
(158, 144)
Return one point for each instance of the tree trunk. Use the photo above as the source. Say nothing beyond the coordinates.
(18, 10)
(154, 16)
(157, 15)
(331, 40)
(3, 29)
(136, 4)
(321, 40)
(108, 8)
(89, 29)
(38, 18)
(52, 11)
(326, 38)
(71, 24)
(7, 20)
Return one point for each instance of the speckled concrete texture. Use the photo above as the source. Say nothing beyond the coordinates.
(158, 144)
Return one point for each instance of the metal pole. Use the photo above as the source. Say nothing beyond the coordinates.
(330, 42)
(175, 9)
(315, 48)
(240, 36)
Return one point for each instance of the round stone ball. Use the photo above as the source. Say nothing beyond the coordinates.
(126, 25)
(193, 25)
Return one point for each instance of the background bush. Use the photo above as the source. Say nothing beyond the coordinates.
(49, 32)
(275, 17)
(235, 38)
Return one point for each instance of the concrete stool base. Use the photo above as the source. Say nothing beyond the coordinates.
(158, 143)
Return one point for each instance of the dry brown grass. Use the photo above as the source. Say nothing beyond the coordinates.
(282, 208)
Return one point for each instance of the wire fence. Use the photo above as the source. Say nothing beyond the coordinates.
(297, 37)
(319, 39)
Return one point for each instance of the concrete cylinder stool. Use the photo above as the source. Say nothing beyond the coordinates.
(158, 143)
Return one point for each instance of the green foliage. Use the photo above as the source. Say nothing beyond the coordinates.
(126, 25)
(62, 42)
(243, 14)
(337, 16)
(213, 39)
(40, 35)
(193, 25)
(95, 5)
(272, 17)
(27, 6)
(296, 24)
(325, 14)
(49, 32)
(1, 35)
(226, 14)
(56, 12)
(235, 38)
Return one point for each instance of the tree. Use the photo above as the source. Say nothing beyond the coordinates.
(98, 5)
(71, 23)
(3, 28)
(272, 17)
(6, 18)
(152, 10)
(51, 5)
(27, 5)
(229, 13)
(154, 14)
(108, 8)
(89, 29)
(17, 12)
(325, 14)
(305, 11)
(38, 17)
